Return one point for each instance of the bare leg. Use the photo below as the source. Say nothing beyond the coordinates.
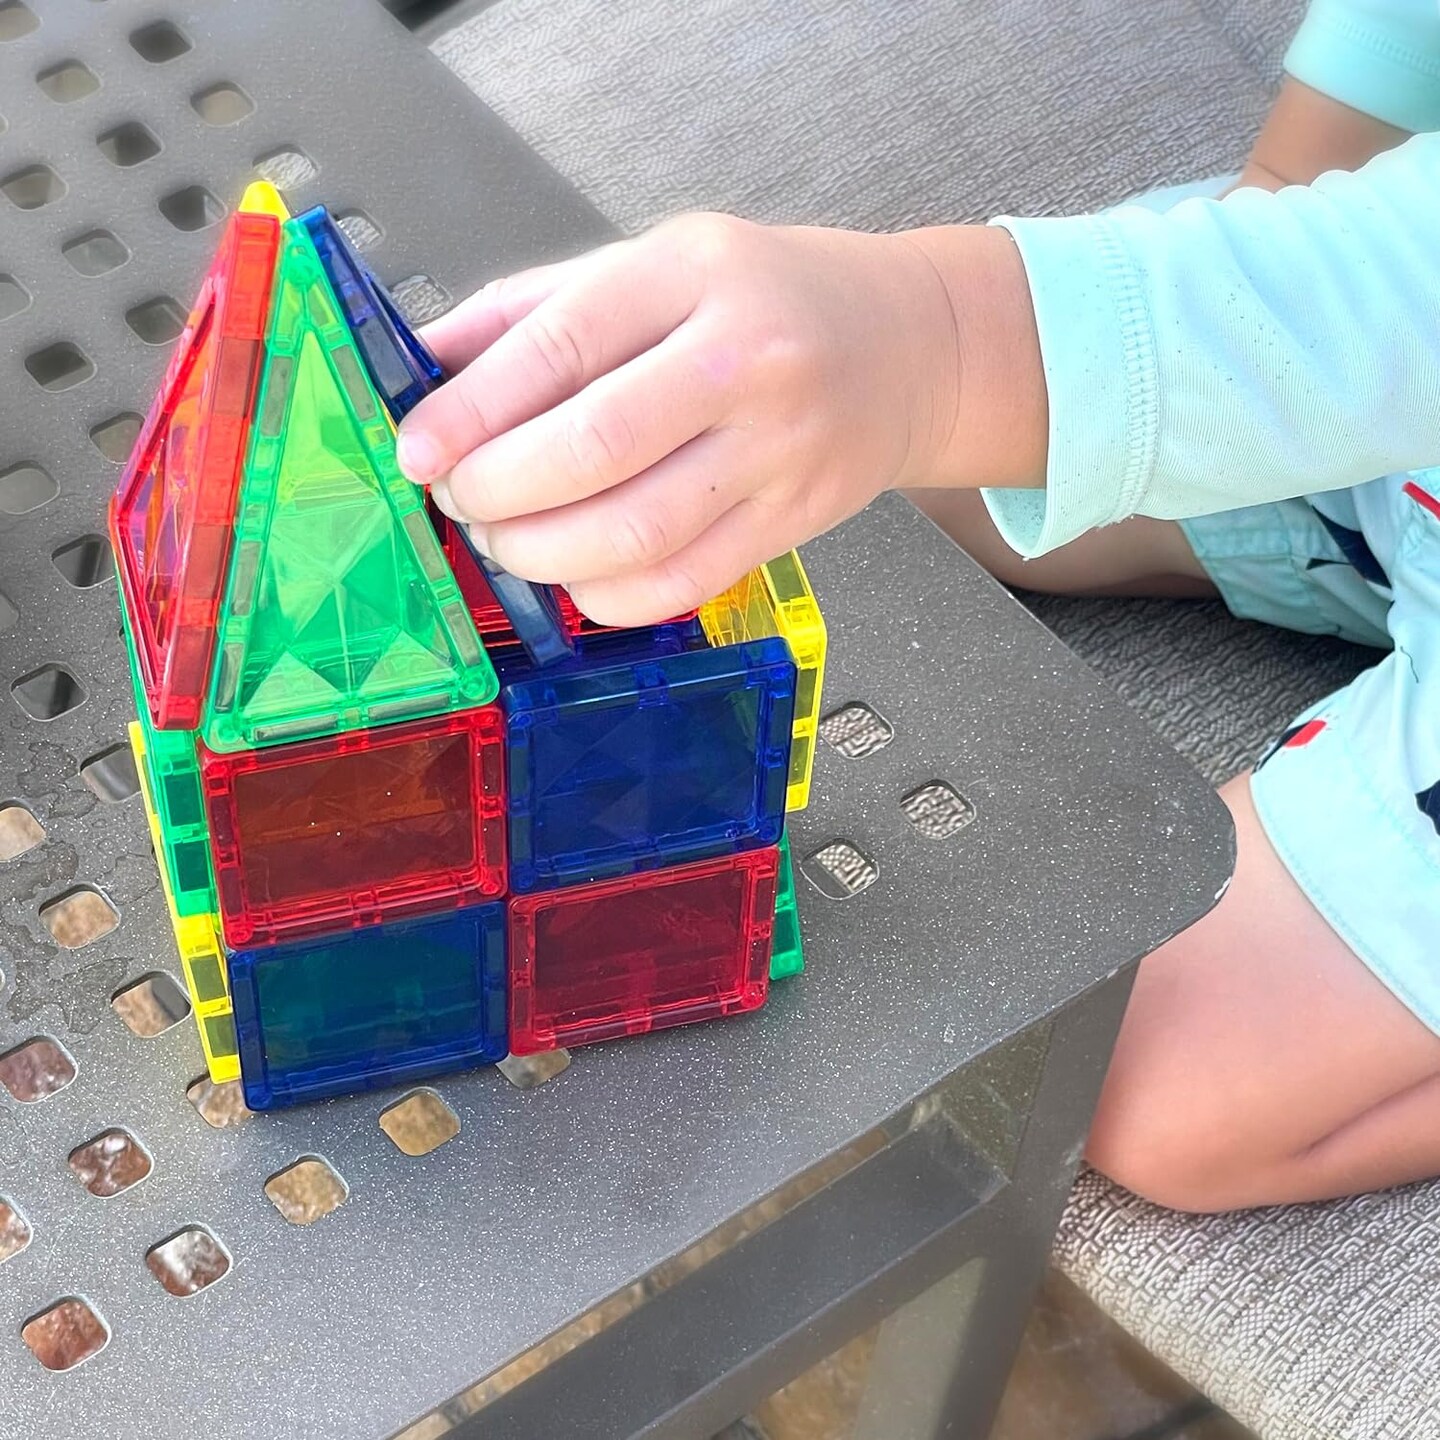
(1260, 1062)
(1136, 557)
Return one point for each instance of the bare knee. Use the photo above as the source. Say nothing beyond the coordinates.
(1195, 1173)
(1187, 1142)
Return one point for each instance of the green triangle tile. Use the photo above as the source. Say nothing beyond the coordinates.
(339, 611)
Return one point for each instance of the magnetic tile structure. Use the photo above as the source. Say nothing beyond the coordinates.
(412, 814)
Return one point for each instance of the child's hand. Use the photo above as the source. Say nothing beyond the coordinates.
(645, 423)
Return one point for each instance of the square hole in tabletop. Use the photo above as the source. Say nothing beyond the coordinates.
(33, 187)
(96, 252)
(110, 775)
(192, 207)
(16, 19)
(79, 917)
(129, 144)
(66, 1335)
(220, 1106)
(937, 810)
(61, 366)
(150, 1005)
(157, 321)
(419, 1123)
(84, 563)
(525, 1072)
(188, 1262)
(115, 438)
(25, 487)
(36, 1069)
(67, 82)
(48, 693)
(840, 870)
(20, 832)
(287, 168)
(420, 298)
(159, 42)
(14, 1230)
(855, 730)
(113, 1162)
(360, 230)
(307, 1191)
(14, 297)
(222, 104)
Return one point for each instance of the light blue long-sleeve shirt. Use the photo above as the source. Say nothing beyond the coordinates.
(1263, 346)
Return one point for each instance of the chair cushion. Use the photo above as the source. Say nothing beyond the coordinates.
(1305, 1322)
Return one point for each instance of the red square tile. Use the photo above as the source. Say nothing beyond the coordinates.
(642, 953)
(358, 828)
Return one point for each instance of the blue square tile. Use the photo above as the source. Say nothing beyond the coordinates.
(371, 1007)
(615, 768)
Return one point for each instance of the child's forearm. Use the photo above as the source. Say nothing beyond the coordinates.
(998, 433)
(1307, 133)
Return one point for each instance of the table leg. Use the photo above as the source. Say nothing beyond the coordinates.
(942, 1360)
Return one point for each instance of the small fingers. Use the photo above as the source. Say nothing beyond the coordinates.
(444, 501)
(738, 541)
(618, 427)
(632, 527)
(612, 307)
(477, 322)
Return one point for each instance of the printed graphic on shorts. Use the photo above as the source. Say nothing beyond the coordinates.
(1422, 497)
(1356, 549)
(1429, 802)
(1293, 738)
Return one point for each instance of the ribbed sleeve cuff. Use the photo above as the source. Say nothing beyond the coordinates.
(1098, 350)
(1377, 63)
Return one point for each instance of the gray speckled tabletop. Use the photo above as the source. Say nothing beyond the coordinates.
(1092, 842)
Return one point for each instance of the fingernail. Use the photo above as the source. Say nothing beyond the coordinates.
(444, 502)
(418, 456)
(481, 541)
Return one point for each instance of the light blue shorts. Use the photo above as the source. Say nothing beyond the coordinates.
(1350, 793)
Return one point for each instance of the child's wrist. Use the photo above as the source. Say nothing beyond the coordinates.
(983, 362)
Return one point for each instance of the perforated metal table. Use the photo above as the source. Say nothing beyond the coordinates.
(895, 1132)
